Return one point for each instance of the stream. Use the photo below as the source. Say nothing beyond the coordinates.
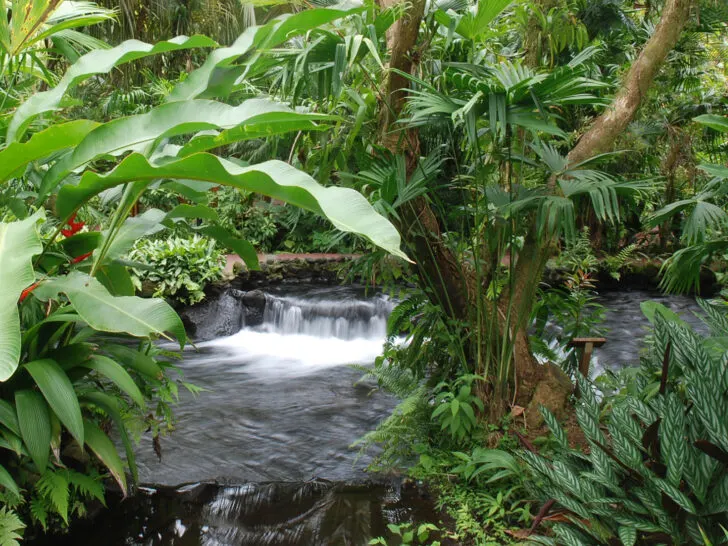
(264, 449)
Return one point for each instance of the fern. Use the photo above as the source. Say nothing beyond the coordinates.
(38, 512)
(399, 433)
(614, 264)
(409, 422)
(87, 486)
(53, 488)
(11, 528)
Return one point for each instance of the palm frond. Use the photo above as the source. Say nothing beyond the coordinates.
(681, 272)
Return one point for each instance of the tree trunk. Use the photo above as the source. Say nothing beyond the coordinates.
(401, 41)
(452, 284)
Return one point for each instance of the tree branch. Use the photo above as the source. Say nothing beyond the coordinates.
(604, 131)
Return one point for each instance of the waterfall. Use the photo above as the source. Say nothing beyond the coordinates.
(305, 332)
(328, 318)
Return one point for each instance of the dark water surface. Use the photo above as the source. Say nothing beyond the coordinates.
(281, 405)
(626, 326)
(280, 514)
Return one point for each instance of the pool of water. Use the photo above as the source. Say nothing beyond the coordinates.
(266, 445)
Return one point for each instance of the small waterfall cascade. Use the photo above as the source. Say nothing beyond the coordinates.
(345, 318)
(302, 333)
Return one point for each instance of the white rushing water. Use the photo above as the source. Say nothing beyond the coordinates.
(300, 336)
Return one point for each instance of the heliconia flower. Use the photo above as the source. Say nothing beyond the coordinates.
(25, 293)
(81, 258)
(73, 226)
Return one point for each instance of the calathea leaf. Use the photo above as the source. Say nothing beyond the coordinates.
(110, 405)
(117, 374)
(7, 481)
(104, 449)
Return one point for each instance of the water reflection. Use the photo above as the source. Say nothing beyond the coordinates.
(316, 513)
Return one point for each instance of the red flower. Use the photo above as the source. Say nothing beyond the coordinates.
(24, 294)
(73, 226)
(81, 258)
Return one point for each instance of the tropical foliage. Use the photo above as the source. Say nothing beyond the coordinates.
(176, 268)
(68, 297)
(655, 468)
(141, 141)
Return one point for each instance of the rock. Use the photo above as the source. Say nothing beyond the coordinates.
(553, 392)
(254, 298)
(217, 316)
(253, 307)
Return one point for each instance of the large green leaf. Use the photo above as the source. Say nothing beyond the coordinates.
(42, 144)
(718, 123)
(265, 125)
(241, 247)
(270, 35)
(115, 277)
(652, 308)
(19, 242)
(715, 170)
(117, 374)
(7, 481)
(104, 449)
(59, 393)
(106, 313)
(35, 426)
(136, 360)
(141, 133)
(8, 417)
(110, 405)
(81, 243)
(95, 62)
(347, 209)
(134, 228)
(192, 211)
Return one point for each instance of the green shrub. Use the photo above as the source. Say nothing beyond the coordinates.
(180, 267)
(656, 471)
(245, 215)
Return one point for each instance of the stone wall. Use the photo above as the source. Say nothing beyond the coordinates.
(293, 269)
